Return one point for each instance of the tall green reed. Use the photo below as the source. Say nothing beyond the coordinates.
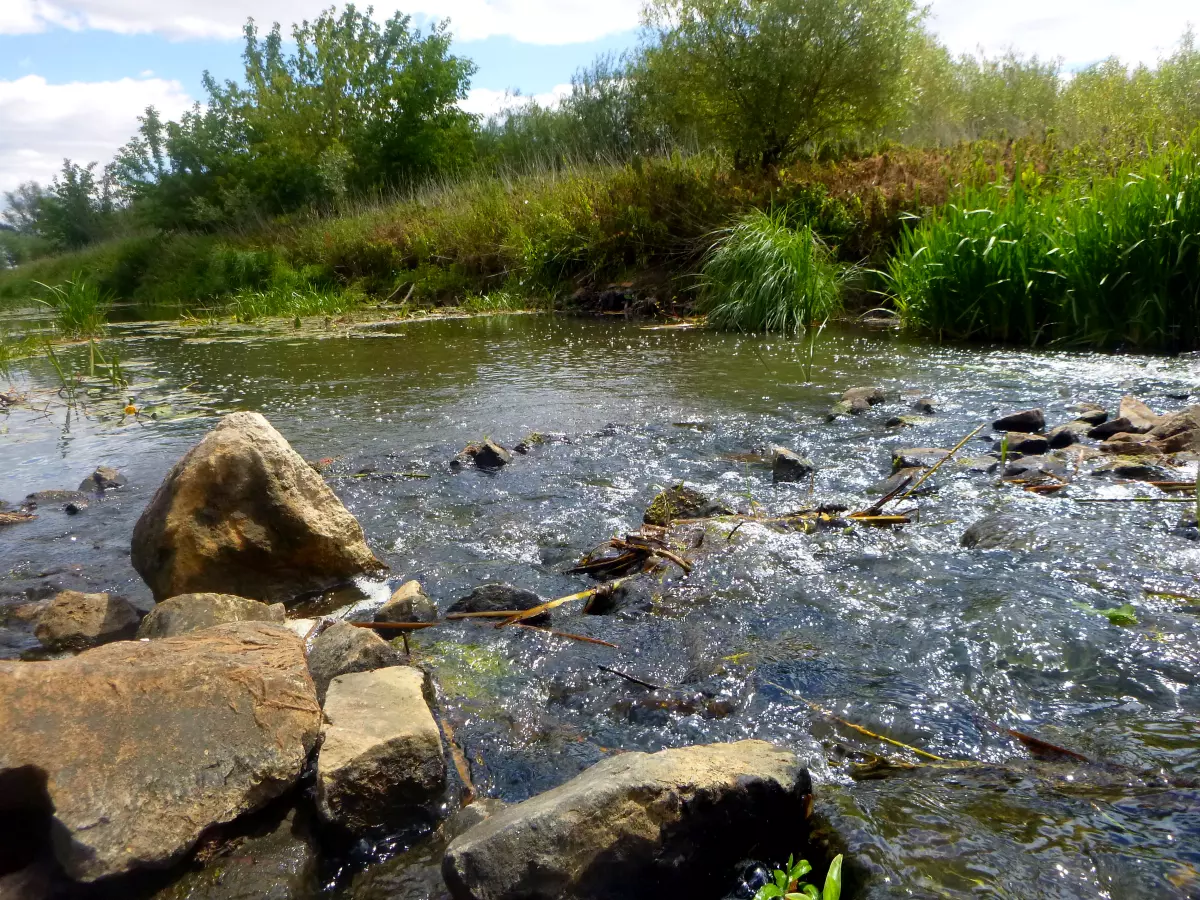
(80, 307)
(763, 275)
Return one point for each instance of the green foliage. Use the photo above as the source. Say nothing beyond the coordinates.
(251, 306)
(763, 275)
(788, 882)
(765, 79)
(18, 248)
(1113, 261)
(80, 307)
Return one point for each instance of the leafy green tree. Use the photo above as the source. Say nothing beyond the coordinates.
(78, 209)
(22, 207)
(765, 78)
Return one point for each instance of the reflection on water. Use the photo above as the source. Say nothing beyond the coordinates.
(903, 632)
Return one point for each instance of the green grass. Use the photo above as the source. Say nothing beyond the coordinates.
(1113, 261)
(80, 307)
(764, 275)
(251, 306)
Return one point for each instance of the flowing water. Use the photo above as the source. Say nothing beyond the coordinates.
(901, 631)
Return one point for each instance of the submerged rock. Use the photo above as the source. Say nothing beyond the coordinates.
(1000, 531)
(408, 603)
(138, 747)
(103, 479)
(862, 398)
(75, 621)
(789, 466)
(1029, 421)
(682, 502)
(917, 457)
(925, 406)
(43, 499)
(344, 648)
(242, 513)
(667, 824)
(499, 597)
(381, 751)
(190, 612)
(1034, 444)
(1067, 435)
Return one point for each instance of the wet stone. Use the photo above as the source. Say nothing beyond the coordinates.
(1064, 436)
(789, 466)
(75, 621)
(1109, 428)
(408, 603)
(499, 597)
(1001, 531)
(344, 648)
(917, 457)
(103, 479)
(863, 398)
(46, 499)
(191, 612)
(1027, 443)
(1029, 421)
(682, 502)
(925, 406)
(486, 455)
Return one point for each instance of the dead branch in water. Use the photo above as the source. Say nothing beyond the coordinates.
(646, 684)
(566, 634)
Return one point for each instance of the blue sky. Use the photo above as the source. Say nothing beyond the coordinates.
(74, 74)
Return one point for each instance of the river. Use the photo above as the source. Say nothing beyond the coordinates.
(902, 631)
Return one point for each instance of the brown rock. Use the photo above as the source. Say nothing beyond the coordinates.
(243, 514)
(1180, 431)
(408, 603)
(1140, 416)
(75, 621)
(345, 648)
(861, 399)
(1029, 421)
(141, 746)
(1109, 428)
(190, 612)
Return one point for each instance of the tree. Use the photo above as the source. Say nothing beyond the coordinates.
(22, 207)
(764, 78)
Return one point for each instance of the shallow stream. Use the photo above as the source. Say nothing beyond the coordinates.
(901, 631)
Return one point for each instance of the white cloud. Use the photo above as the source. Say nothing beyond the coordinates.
(486, 102)
(83, 121)
(535, 21)
(1078, 31)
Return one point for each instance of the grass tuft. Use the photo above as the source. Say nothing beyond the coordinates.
(763, 275)
(274, 302)
(80, 307)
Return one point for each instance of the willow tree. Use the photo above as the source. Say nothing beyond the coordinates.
(764, 78)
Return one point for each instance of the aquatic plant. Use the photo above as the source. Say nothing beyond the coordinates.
(250, 306)
(764, 275)
(788, 884)
(1111, 261)
(80, 307)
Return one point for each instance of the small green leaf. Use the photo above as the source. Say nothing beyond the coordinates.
(833, 880)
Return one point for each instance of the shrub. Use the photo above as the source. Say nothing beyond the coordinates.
(762, 275)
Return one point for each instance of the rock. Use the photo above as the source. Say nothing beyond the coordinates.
(1141, 416)
(342, 649)
(1034, 444)
(1092, 413)
(1000, 531)
(408, 604)
(242, 513)
(189, 612)
(381, 751)
(42, 499)
(275, 859)
(1035, 465)
(917, 457)
(789, 466)
(1130, 448)
(487, 455)
(1133, 468)
(498, 598)
(1067, 435)
(682, 502)
(141, 746)
(75, 621)
(1030, 421)
(861, 398)
(103, 479)
(668, 824)
(925, 406)
(1109, 428)
(899, 477)
(302, 628)
(1179, 431)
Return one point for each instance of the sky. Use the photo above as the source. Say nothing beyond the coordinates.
(75, 74)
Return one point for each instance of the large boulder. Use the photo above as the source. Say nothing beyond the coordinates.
(189, 612)
(381, 751)
(75, 621)
(242, 513)
(344, 648)
(138, 747)
(668, 824)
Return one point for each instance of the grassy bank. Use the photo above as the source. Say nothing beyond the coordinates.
(1019, 242)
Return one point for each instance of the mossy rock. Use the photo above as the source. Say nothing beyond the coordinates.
(682, 502)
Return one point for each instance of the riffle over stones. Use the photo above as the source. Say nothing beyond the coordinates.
(242, 513)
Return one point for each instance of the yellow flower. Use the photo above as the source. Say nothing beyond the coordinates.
(131, 410)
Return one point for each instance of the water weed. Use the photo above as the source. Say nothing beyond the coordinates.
(763, 275)
(250, 306)
(80, 307)
(787, 882)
